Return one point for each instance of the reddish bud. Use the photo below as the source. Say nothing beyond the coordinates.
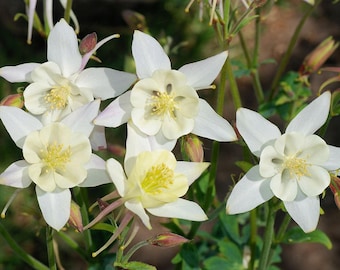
(167, 239)
(193, 148)
(318, 56)
(75, 219)
(15, 100)
(116, 149)
(335, 188)
(88, 43)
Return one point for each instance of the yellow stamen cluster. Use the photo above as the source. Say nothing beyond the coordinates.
(296, 166)
(157, 179)
(57, 98)
(162, 103)
(56, 157)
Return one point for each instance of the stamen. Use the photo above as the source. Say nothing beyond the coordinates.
(296, 166)
(162, 103)
(157, 179)
(57, 98)
(56, 157)
(11, 199)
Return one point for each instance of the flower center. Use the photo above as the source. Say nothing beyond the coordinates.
(57, 98)
(163, 102)
(56, 157)
(157, 179)
(296, 167)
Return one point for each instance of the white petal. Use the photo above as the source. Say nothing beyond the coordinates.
(96, 172)
(137, 208)
(19, 73)
(81, 120)
(117, 175)
(62, 48)
(16, 175)
(255, 129)
(105, 82)
(249, 192)
(98, 139)
(18, 123)
(270, 161)
(305, 211)
(202, 73)
(284, 186)
(148, 55)
(333, 162)
(317, 110)
(180, 208)
(55, 206)
(116, 113)
(192, 170)
(315, 182)
(30, 16)
(209, 124)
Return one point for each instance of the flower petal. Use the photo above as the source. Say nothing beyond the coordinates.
(137, 208)
(249, 192)
(284, 185)
(55, 206)
(192, 170)
(148, 55)
(81, 120)
(18, 123)
(315, 182)
(116, 113)
(317, 110)
(255, 129)
(105, 82)
(333, 162)
(98, 139)
(62, 48)
(16, 175)
(117, 175)
(209, 124)
(19, 73)
(305, 211)
(180, 208)
(96, 172)
(202, 73)
(30, 16)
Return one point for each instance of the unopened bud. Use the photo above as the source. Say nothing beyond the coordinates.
(116, 149)
(88, 43)
(318, 56)
(193, 148)
(15, 100)
(167, 239)
(335, 188)
(135, 20)
(75, 219)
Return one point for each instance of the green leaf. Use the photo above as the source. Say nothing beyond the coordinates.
(297, 235)
(104, 227)
(230, 251)
(189, 254)
(335, 103)
(135, 266)
(214, 263)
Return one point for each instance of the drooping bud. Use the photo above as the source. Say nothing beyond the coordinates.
(15, 100)
(75, 219)
(193, 148)
(318, 56)
(135, 20)
(167, 239)
(116, 149)
(335, 188)
(88, 43)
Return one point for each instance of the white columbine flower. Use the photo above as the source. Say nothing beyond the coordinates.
(61, 85)
(154, 182)
(164, 102)
(57, 157)
(294, 166)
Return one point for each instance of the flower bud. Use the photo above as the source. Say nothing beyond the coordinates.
(75, 219)
(116, 149)
(135, 20)
(88, 43)
(193, 148)
(335, 188)
(167, 239)
(15, 100)
(318, 56)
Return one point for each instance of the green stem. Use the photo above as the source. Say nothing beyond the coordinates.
(34, 263)
(73, 244)
(288, 54)
(50, 248)
(81, 198)
(233, 85)
(253, 235)
(133, 249)
(268, 238)
(68, 9)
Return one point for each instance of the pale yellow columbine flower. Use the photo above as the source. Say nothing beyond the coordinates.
(156, 183)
